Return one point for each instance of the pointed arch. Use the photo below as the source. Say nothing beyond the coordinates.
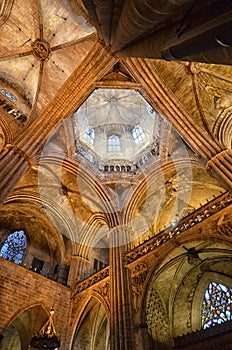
(23, 325)
(92, 330)
(216, 305)
(199, 295)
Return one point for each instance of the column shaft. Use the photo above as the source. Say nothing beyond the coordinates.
(120, 322)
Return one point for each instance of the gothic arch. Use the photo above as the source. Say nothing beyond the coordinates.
(22, 325)
(92, 327)
(207, 277)
(183, 299)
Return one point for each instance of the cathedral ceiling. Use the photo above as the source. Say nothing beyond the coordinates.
(205, 90)
(42, 56)
(43, 43)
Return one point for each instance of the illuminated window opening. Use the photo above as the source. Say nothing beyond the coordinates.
(138, 134)
(216, 305)
(8, 94)
(14, 247)
(89, 135)
(114, 144)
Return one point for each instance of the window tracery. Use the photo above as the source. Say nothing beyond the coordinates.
(8, 94)
(114, 144)
(14, 247)
(138, 134)
(216, 305)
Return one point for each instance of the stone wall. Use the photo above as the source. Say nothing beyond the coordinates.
(21, 289)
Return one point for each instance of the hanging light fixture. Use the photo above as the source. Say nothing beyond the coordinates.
(46, 337)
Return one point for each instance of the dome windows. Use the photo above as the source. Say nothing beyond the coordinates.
(114, 143)
(115, 126)
(138, 134)
(89, 135)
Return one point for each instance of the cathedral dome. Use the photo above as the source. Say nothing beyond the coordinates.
(116, 125)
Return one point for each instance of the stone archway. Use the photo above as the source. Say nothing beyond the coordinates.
(22, 328)
(93, 331)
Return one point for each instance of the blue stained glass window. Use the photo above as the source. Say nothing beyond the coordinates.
(216, 305)
(14, 247)
(138, 134)
(8, 94)
(114, 143)
(89, 135)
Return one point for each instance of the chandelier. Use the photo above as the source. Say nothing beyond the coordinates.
(46, 338)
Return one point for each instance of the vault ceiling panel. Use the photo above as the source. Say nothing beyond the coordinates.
(29, 219)
(58, 68)
(50, 41)
(214, 95)
(114, 106)
(173, 195)
(23, 73)
(22, 26)
(61, 25)
(178, 78)
(205, 90)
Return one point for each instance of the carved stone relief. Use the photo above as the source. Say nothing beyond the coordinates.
(214, 99)
(137, 278)
(104, 291)
(157, 320)
(41, 49)
(224, 225)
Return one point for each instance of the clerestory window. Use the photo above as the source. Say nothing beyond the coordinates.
(8, 94)
(114, 143)
(138, 134)
(216, 305)
(14, 247)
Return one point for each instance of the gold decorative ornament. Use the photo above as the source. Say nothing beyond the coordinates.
(40, 49)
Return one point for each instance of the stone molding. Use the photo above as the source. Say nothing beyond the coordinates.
(185, 224)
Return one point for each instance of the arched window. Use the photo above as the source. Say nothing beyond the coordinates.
(89, 135)
(14, 247)
(216, 305)
(8, 94)
(138, 134)
(114, 143)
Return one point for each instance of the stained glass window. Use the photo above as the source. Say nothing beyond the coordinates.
(114, 143)
(14, 247)
(216, 305)
(89, 135)
(8, 94)
(138, 134)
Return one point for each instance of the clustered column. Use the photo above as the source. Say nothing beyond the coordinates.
(120, 309)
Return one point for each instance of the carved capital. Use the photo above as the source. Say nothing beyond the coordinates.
(104, 291)
(138, 276)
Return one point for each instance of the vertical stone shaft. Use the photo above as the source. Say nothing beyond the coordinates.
(120, 322)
